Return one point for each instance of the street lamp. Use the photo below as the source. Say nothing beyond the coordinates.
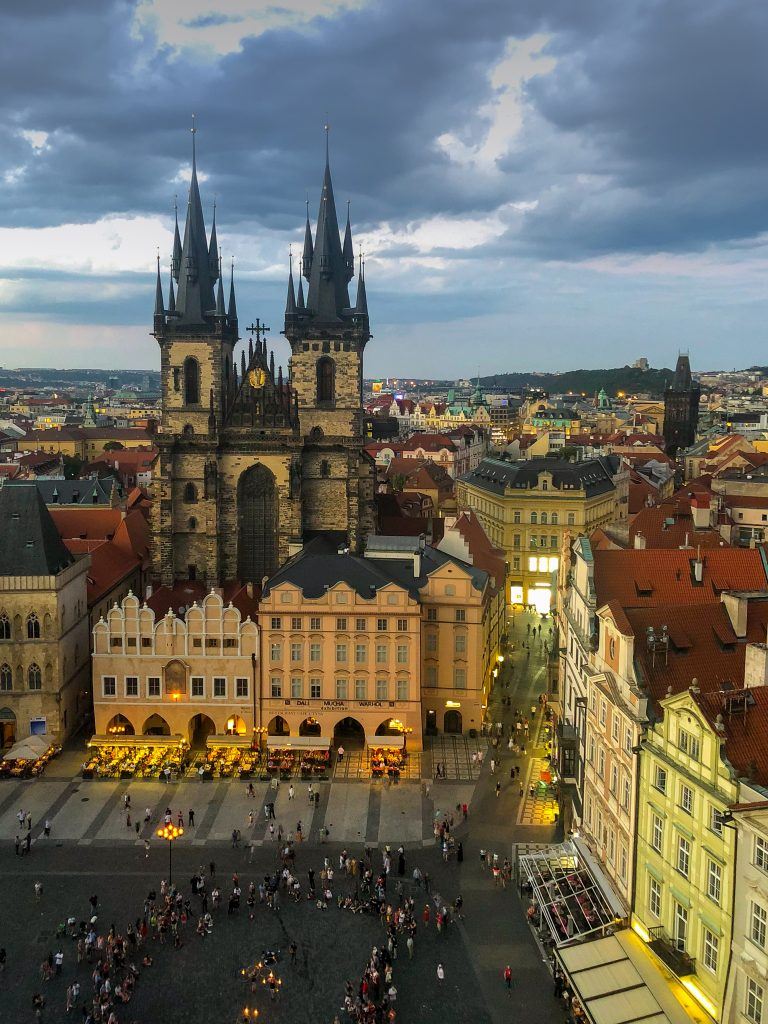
(170, 832)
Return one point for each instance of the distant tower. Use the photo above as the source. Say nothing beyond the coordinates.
(681, 408)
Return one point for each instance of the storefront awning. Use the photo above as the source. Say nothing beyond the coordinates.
(298, 742)
(228, 741)
(385, 741)
(600, 877)
(617, 981)
(137, 741)
(569, 897)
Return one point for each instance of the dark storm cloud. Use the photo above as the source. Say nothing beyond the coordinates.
(646, 136)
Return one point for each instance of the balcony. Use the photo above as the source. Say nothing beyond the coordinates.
(665, 949)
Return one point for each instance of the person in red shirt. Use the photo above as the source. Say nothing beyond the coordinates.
(508, 977)
(425, 915)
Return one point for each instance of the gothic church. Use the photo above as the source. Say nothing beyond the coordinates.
(252, 462)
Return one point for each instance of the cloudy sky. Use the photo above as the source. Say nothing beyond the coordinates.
(536, 183)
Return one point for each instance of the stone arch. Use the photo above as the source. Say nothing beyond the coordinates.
(121, 726)
(190, 493)
(7, 727)
(5, 626)
(34, 677)
(191, 381)
(309, 727)
(386, 728)
(200, 728)
(278, 727)
(188, 430)
(257, 524)
(156, 725)
(452, 722)
(236, 726)
(326, 379)
(6, 677)
(316, 434)
(33, 626)
(349, 733)
(192, 523)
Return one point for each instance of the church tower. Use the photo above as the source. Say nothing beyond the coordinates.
(227, 491)
(328, 335)
(681, 408)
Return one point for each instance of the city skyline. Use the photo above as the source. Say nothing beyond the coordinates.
(567, 181)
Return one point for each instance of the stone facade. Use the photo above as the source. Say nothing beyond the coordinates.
(44, 647)
(249, 463)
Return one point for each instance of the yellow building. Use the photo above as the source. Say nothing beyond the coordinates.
(527, 507)
(406, 634)
(685, 856)
(189, 672)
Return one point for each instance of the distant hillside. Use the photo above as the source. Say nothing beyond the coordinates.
(624, 378)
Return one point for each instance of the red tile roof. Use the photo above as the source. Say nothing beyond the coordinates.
(657, 577)
(670, 525)
(484, 554)
(183, 594)
(744, 732)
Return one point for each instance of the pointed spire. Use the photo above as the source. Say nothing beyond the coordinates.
(195, 298)
(242, 364)
(328, 297)
(348, 249)
(250, 350)
(300, 295)
(159, 304)
(272, 365)
(280, 376)
(290, 302)
(176, 257)
(232, 311)
(171, 297)
(361, 306)
(221, 313)
(213, 249)
(306, 258)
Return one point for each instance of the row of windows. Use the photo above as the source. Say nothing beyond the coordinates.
(342, 596)
(542, 541)
(686, 799)
(211, 642)
(34, 677)
(616, 721)
(619, 782)
(32, 627)
(459, 677)
(197, 684)
(606, 836)
(683, 854)
(296, 653)
(710, 943)
(361, 625)
(342, 689)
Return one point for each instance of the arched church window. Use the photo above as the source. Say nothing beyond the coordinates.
(326, 373)
(257, 524)
(190, 493)
(188, 430)
(191, 381)
(33, 627)
(34, 677)
(5, 627)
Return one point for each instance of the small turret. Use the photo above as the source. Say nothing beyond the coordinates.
(290, 302)
(214, 261)
(306, 259)
(348, 250)
(232, 311)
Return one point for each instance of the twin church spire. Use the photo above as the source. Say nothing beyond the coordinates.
(327, 265)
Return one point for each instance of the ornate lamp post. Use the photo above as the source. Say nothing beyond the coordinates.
(170, 832)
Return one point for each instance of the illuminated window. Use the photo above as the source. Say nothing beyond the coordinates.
(543, 564)
(532, 563)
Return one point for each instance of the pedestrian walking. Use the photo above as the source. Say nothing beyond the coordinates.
(440, 973)
(493, 766)
(498, 788)
(47, 827)
(290, 792)
(146, 849)
(181, 820)
(508, 978)
(409, 944)
(340, 753)
(250, 819)
(17, 844)
(191, 818)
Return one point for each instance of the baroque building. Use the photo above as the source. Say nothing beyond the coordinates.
(252, 460)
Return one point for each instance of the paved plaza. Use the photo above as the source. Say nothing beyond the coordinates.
(92, 848)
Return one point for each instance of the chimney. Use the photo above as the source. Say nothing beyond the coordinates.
(249, 589)
(148, 592)
(417, 563)
(737, 606)
(639, 541)
(700, 512)
(698, 567)
(755, 665)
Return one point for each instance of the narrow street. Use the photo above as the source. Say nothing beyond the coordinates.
(496, 930)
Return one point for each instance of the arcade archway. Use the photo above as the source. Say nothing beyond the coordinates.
(278, 727)
(348, 733)
(200, 728)
(119, 725)
(156, 725)
(309, 727)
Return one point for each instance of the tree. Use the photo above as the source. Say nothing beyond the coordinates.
(398, 482)
(114, 446)
(73, 467)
